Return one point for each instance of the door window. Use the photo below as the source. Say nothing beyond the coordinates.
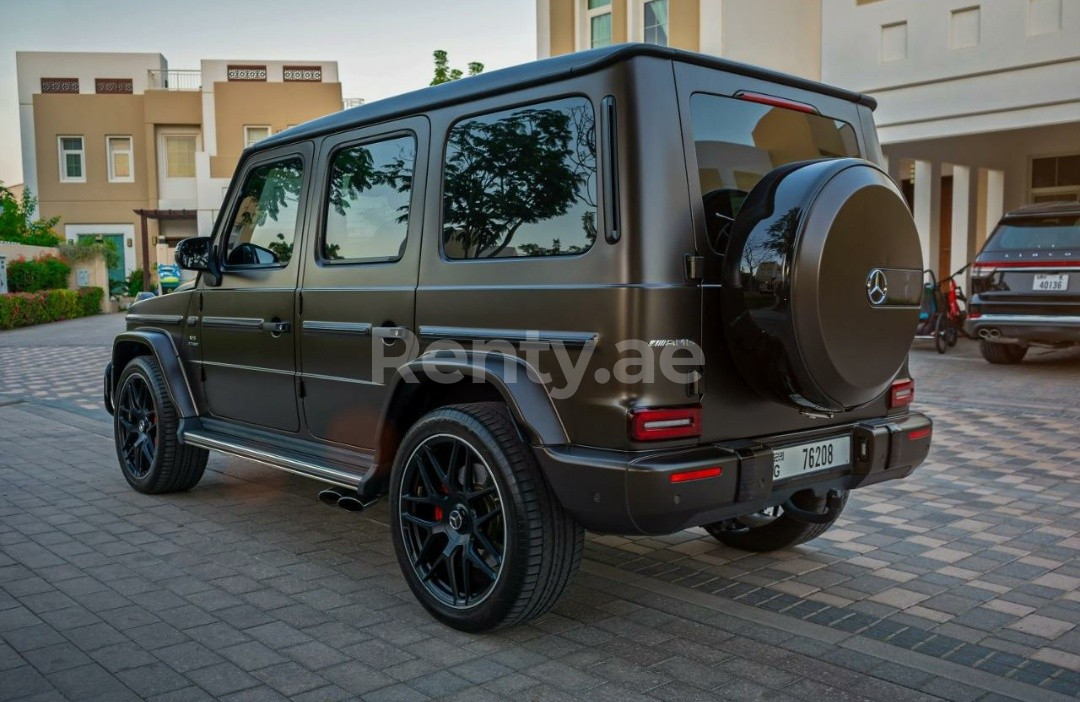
(367, 210)
(263, 226)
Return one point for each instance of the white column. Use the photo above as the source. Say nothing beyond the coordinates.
(961, 218)
(927, 210)
(995, 199)
(710, 34)
(543, 28)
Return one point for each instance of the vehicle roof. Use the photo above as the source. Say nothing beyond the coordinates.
(1045, 209)
(529, 74)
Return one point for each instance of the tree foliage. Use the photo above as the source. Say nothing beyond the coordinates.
(17, 221)
(445, 74)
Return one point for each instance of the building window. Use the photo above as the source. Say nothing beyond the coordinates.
(1055, 178)
(113, 86)
(256, 134)
(121, 165)
(72, 159)
(656, 22)
(180, 156)
(367, 213)
(598, 23)
(964, 28)
(246, 73)
(59, 85)
(893, 42)
(1044, 17)
(301, 74)
(521, 182)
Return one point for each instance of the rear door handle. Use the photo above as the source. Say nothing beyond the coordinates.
(389, 334)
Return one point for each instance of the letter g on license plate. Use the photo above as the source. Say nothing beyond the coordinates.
(792, 461)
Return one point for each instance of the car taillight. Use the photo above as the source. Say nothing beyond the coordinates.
(980, 271)
(902, 393)
(665, 423)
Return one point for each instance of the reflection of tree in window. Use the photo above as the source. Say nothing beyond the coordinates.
(521, 183)
(368, 203)
(266, 215)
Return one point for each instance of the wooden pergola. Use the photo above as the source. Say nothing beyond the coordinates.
(157, 215)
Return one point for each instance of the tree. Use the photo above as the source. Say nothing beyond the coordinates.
(17, 222)
(445, 74)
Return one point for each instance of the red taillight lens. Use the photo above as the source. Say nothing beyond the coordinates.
(902, 393)
(699, 474)
(665, 423)
(774, 101)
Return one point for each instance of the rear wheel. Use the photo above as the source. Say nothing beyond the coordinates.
(771, 529)
(1003, 354)
(479, 535)
(941, 331)
(145, 422)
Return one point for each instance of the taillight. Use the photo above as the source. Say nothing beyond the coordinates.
(980, 271)
(699, 474)
(665, 423)
(773, 101)
(902, 393)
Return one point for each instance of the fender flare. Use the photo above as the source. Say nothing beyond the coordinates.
(160, 345)
(515, 380)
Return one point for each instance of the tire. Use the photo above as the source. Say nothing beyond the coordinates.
(941, 330)
(1002, 354)
(541, 544)
(142, 400)
(752, 533)
(952, 334)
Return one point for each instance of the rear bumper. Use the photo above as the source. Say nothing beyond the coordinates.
(1026, 327)
(632, 493)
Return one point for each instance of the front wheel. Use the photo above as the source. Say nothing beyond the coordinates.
(479, 535)
(771, 529)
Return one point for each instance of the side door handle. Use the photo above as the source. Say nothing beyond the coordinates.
(276, 327)
(389, 334)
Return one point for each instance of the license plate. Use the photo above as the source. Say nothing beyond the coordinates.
(1050, 283)
(791, 461)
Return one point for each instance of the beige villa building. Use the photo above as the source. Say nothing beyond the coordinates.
(113, 140)
(979, 101)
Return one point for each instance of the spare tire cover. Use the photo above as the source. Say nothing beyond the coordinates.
(822, 278)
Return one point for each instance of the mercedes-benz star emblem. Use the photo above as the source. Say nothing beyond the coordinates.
(456, 519)
(877, 287)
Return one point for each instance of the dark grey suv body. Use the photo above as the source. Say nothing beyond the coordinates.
(519, 259)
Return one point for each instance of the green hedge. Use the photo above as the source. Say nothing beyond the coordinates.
(43, 273)
(27, 309)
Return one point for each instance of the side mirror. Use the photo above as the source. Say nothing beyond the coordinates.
(197, 254)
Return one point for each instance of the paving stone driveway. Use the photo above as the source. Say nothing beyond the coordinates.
(960, 583)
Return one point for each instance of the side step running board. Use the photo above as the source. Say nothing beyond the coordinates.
(274, 459)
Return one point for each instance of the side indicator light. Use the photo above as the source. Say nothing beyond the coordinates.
(699, 474)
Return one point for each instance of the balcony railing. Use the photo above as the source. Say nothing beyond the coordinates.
(346, 103)
(174, 80)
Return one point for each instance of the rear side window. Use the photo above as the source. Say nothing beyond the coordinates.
(738, 142)
(1036, 234)
(521, 182)
(264, 224)
(367, 212)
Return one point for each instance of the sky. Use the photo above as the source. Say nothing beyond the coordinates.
(383, 47)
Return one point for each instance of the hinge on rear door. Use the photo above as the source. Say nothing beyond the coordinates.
(695, 267)
(202, 373)
(300, 388)
(300, 304)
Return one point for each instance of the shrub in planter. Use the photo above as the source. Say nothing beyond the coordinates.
(90, 301)
(26, 309)
(43, 273)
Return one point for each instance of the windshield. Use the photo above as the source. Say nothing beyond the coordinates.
(1036, 234)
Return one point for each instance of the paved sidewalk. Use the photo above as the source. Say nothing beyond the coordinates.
(960, 583)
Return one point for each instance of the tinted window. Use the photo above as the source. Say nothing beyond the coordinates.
(1038, 233)
(367, 213)
(738, 142)
(521, 182)
(264, 224)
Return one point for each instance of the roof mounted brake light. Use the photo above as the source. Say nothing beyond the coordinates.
(774, 101)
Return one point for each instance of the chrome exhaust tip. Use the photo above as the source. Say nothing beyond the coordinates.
(984, 333)
(329, 497)
(995, 333)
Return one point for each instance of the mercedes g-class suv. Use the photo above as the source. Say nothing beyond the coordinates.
(1025, 283)
(631, 290)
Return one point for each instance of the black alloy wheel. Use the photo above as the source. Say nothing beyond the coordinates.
(136, 427)
(452, 524)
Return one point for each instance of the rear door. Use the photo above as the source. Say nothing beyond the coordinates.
(1031, 266)
(359, 285)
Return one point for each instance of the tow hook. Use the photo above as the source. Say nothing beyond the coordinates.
(833, 504)
(348, 501)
